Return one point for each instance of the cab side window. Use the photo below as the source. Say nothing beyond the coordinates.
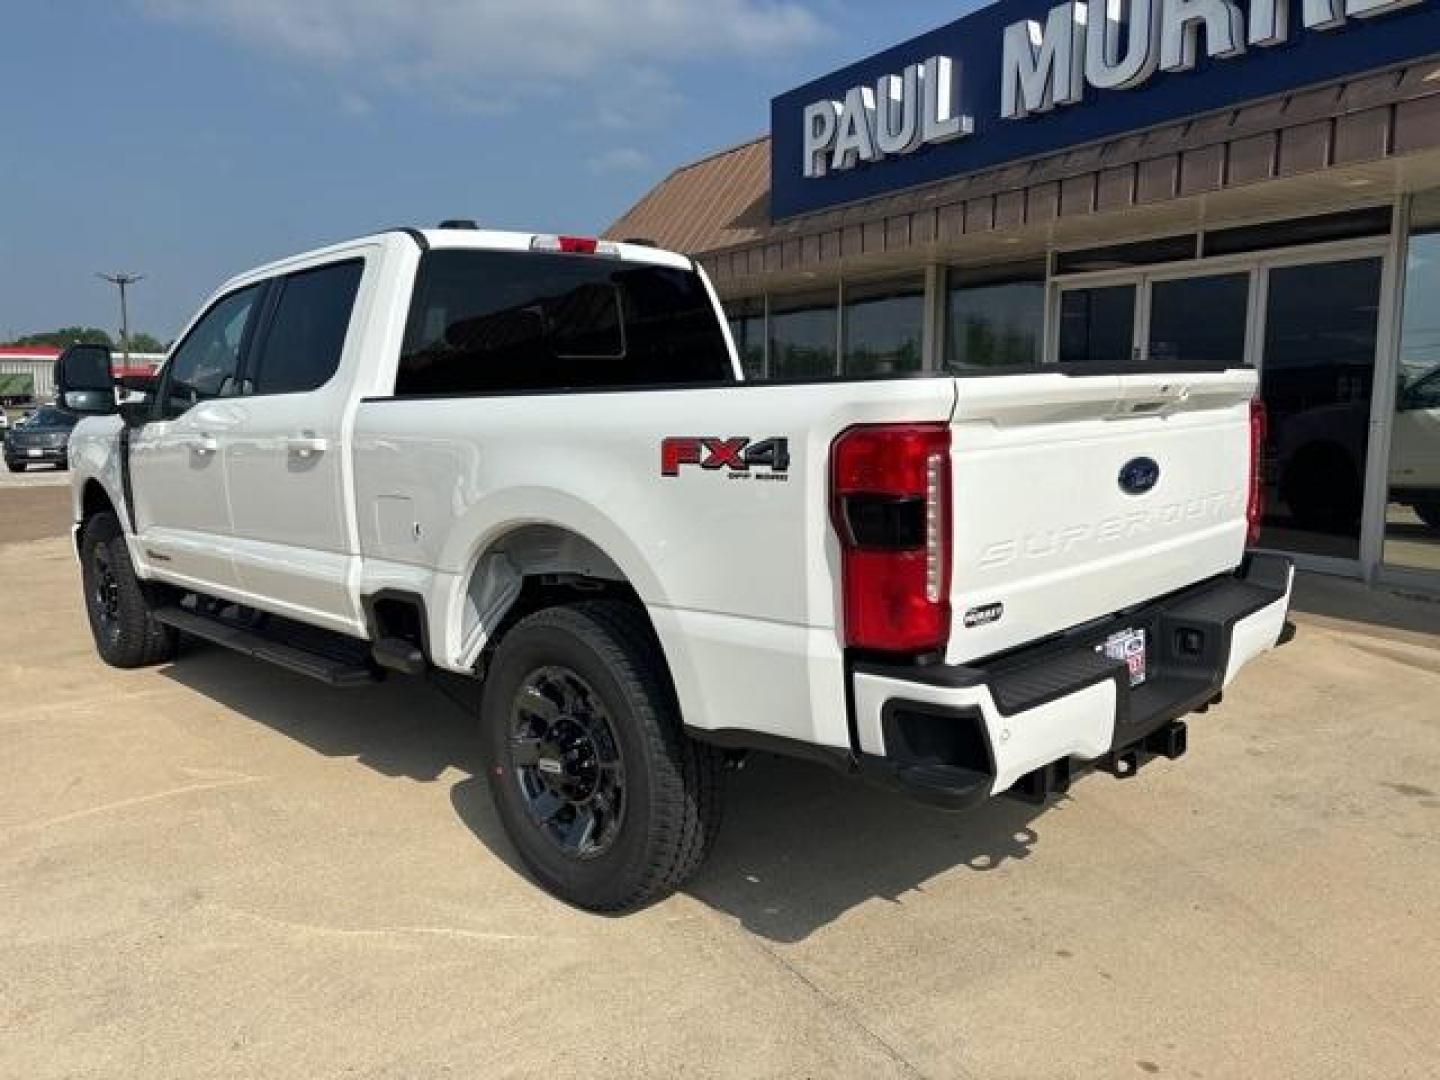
(207, 363)
(301, 347)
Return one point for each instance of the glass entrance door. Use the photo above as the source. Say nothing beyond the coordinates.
(1317, 376)
(1197, 321)
(1309, 321)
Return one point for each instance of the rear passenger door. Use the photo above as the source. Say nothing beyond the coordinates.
(285, 462)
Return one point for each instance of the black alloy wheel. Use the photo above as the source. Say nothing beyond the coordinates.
(607, 801)
(566, 760)
(103, 596)
(120, 607)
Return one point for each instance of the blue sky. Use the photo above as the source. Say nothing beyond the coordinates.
(191, 139)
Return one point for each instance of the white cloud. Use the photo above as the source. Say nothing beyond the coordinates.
(619, 160)
(484, 54)
(356, 105)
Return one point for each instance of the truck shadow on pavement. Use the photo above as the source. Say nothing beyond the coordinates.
(800, 845)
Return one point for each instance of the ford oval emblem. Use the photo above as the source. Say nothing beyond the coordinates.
(1139, 476)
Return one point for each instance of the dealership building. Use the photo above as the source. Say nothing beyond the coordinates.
(1173, 183)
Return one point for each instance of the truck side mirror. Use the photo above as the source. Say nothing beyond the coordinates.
(83, 382)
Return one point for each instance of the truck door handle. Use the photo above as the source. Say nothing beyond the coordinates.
(204, 445)
(307, 446)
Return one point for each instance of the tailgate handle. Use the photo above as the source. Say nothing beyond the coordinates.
(204, 445)
(1159, 401)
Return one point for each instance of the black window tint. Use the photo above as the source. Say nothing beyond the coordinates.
(804, 336)
(994, 325)
(302, 346)
(1319, 229)
(491, 321)
(206, 363)
(1117, 256)
(747, 328)
(1097, 325)
(884, 327)
(585, 323)
(1198, 322)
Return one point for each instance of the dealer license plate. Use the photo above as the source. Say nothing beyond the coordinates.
(35, 452)
(1129, 646)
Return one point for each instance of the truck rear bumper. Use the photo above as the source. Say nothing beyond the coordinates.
(955, 736)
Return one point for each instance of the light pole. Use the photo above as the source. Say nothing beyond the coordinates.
(122, 282)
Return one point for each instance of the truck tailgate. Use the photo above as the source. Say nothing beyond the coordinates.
(1078, 496)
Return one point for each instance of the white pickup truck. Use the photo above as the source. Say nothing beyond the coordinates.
(532, 460)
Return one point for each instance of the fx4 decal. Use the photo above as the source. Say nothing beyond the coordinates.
(740, 457)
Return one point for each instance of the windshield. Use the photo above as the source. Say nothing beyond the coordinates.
(52, 417)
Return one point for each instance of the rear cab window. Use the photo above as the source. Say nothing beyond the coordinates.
(485, 322)
(300, 347)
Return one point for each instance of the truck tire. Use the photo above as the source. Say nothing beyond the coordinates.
(15, 466)
(118, 603)
(606, 800)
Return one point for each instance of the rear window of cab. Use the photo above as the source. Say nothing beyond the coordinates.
(499, 321)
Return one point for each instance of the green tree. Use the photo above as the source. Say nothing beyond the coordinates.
(143, 342)
(67, 335)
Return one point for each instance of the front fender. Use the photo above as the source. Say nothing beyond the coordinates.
(95, 461)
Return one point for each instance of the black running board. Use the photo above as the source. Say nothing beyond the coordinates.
(331, 670)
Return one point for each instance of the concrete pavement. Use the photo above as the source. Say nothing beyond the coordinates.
(39, 476)
(215, 868)
(33, 505)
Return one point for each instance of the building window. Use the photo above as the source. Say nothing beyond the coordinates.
(1097, 325)
(995, 321)
(803, 336)
(1198, 322)
(1121, 256)
(1319, 229)
(747, 327)
(885, 328)
(1317, 372)
(1412, 513)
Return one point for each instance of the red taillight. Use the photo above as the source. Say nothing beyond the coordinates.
(890, 504)
(1259, 433)
(578, 245)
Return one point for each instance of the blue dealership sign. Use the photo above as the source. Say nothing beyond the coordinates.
(1022, 78)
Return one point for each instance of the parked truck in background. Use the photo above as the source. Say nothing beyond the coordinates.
(532, 460)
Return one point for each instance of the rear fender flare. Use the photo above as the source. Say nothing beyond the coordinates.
(600, 548)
